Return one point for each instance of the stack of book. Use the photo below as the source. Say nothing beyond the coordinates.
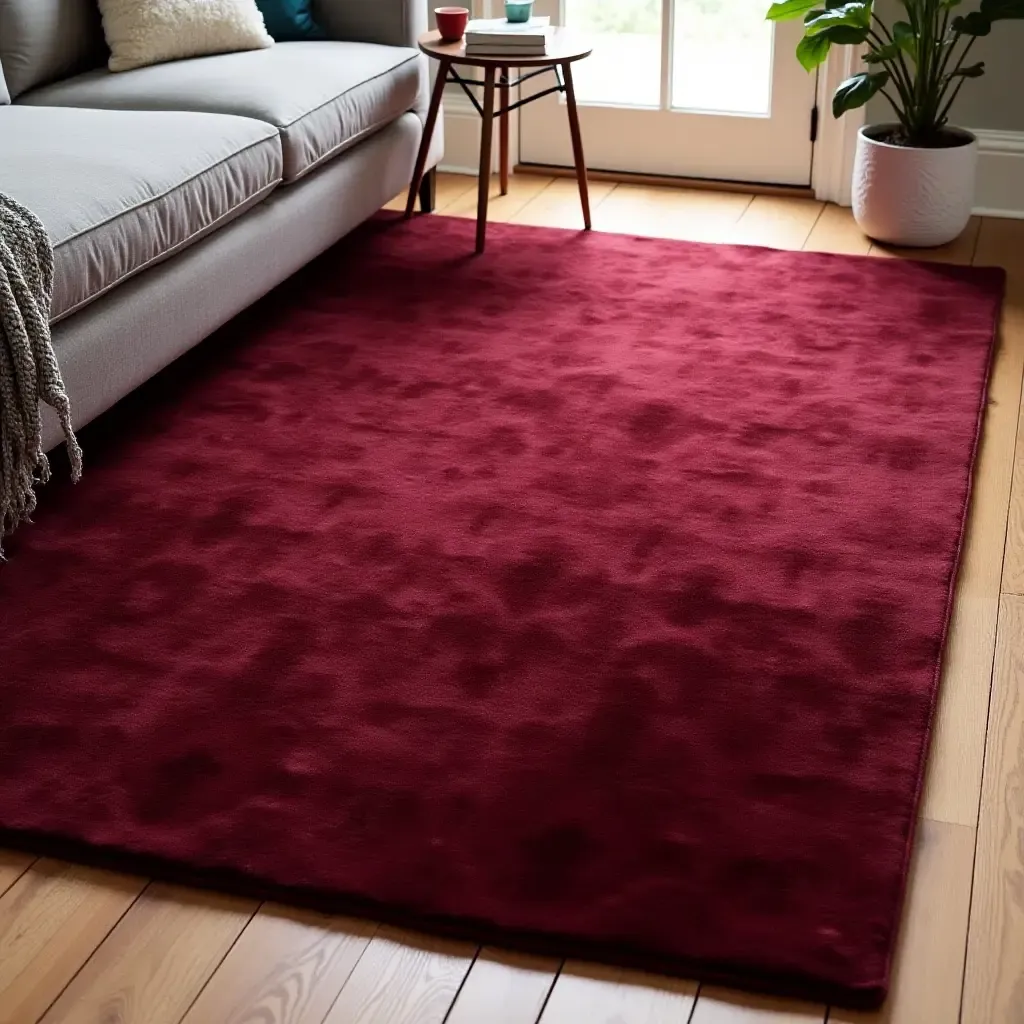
(496, 37)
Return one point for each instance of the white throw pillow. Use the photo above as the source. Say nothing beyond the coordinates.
(141, 32)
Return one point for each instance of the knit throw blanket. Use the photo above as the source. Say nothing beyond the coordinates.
(28, 367)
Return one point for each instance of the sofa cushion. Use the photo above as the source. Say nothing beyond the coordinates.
(43, 40)
(121, 190)
(323, 96)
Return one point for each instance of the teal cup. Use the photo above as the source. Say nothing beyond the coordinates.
(518, 10)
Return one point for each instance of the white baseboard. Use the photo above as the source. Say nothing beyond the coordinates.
(1000, 191)
(1000, 187)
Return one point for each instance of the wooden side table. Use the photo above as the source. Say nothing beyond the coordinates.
(564, 48)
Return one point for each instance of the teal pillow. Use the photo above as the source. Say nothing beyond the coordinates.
(289, 20)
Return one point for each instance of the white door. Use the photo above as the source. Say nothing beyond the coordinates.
(692, 88)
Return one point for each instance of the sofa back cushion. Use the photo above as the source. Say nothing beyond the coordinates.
(44, 40)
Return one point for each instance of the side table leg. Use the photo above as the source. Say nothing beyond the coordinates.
(428, 191)
(486, 131)
(505, 96)
(577, 142)
(428, 134)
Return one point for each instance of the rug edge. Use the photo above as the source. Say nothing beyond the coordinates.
(924, 755)
(227, 881)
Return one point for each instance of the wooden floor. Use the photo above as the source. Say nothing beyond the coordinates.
(79, 946)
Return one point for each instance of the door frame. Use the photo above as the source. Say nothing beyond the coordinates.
(836, 145)
(832, 153)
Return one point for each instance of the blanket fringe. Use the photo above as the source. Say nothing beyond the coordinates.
(29, 373)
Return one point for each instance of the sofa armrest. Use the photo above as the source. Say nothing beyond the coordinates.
(392, 22)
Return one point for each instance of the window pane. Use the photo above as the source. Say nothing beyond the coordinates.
(625, 67)
(722, 58)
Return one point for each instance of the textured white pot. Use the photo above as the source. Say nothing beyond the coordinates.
(906, 196)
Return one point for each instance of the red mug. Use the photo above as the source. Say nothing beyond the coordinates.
(451, 22)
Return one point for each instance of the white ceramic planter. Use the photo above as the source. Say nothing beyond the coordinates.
(905, 196)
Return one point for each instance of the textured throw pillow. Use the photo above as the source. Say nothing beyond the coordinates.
(290, 20)
(141, 32)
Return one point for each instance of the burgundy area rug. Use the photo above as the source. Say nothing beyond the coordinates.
(589, 595)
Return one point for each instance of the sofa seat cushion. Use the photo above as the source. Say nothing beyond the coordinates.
(118, 191)
(322, 96)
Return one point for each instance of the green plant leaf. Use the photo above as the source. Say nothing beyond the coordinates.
(856, 91)
(787, 10)
(1002, 10)
(843, 35)
(852, 15)
(905, 38)
(950, 4)
(883, 53)
(974, 71)
(812, 51)
(974, 24)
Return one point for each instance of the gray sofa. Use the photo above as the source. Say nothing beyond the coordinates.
(176, 195)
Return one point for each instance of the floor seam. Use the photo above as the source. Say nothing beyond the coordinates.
(220, 962)
(462, 984)
(348, 977)
(99, 945)
(549, 993)
(17, 878)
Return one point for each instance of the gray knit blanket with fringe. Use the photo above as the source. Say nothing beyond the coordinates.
(28, 367)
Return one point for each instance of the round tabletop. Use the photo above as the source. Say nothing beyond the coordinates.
(564, 45)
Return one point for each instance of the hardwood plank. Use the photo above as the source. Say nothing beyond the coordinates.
(450, 188)
(777, 223)
(607, 995)
(287, 967)
(723, 1006)
(558, 206)
(953, 773)
(403, 978)
(994, 979)
(929, 965)
(960, 250)
(504, 988)
(12, 866)
(156, 960)
(837, 231)
(1001, 244)
(1013, 334)
(672, 212)
(953, 782)
(51, 921)
(521, 189)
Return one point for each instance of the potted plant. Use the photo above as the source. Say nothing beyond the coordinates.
(913, 178)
